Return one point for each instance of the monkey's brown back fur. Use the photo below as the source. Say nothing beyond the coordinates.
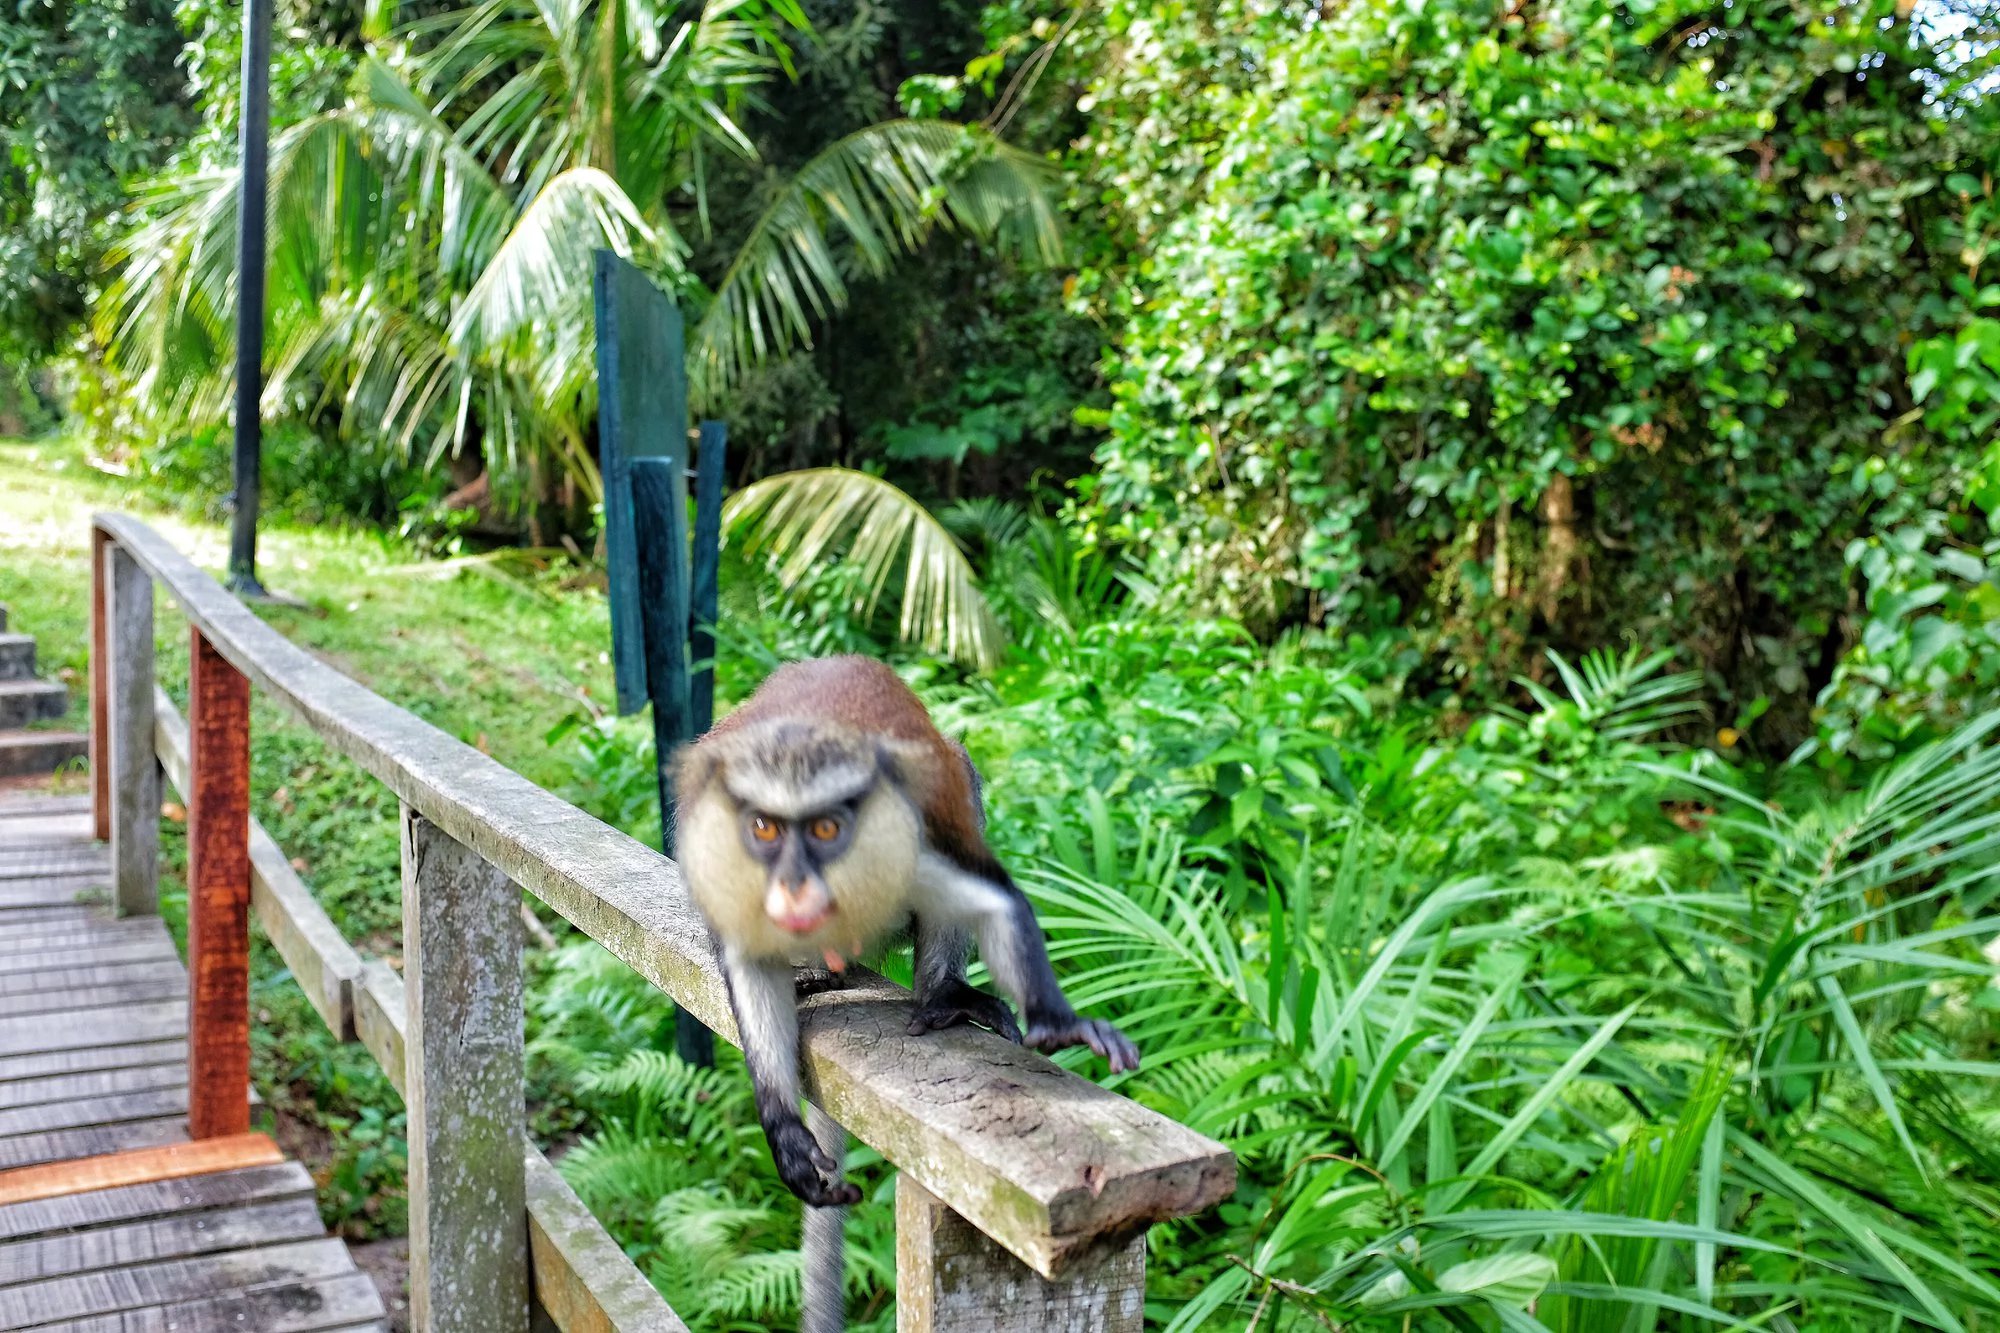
(863, 695)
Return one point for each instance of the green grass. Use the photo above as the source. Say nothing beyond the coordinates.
(495, 661)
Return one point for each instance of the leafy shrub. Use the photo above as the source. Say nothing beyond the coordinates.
(1526, 325)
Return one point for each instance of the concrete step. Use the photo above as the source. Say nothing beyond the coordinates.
(25, 701)
(29, 753)
(17, 656)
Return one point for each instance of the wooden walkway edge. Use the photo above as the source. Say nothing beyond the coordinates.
(111, 1219)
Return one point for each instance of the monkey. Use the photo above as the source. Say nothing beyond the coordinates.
(822, 816)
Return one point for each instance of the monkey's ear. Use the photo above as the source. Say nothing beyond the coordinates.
(694, 768)
(914, 767)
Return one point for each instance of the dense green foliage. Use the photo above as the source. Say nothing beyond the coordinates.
(1513, 322)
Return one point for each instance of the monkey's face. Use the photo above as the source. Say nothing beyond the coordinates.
(794, 853)
(797, 842)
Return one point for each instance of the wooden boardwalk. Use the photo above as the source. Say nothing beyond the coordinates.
(111, 1220)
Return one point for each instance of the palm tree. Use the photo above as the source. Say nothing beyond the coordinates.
(430, 239)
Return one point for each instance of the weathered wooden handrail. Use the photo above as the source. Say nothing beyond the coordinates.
(996, 1145)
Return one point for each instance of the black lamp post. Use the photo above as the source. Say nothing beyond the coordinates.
(253, 142)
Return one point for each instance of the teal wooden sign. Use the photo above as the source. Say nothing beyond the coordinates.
(642, 430)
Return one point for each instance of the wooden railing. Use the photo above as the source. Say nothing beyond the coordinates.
(1024, 1192)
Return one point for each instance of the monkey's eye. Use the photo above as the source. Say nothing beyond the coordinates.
(763, 829)
(824, 829)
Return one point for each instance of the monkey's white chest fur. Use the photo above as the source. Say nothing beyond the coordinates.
(873, 883)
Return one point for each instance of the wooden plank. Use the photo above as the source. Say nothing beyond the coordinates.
(468, 1206)
(347, 1303)
(17, 804)
(380, 1013)
(83, 1112)
(581, 1276)
(22, 850)
(704, 563)
(1037, 1158)
(168, 1282)
(218, 894)
(51, 892)
(161, 1162)
(93, 1083)
(325, 966)
(96, 872)
(951, 1279)
(49, 829)
(147, 1022)
(641, 417)
(65, 857)
(135, 774)
(20, 917)
(66, 1145)
(80, 1000)
(131, 951)
(154, 1198)
(100, 685)
(39, 981)
(179, 1236)
(85, 926)
(78, 1060)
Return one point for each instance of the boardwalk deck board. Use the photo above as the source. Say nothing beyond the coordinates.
(71, 953)
(84, 1112)
(178, 1235)
(284, 1307)
(95, 1083)
(64, 1145)
(120, 1055)
(155, 1198)
(93, 1063)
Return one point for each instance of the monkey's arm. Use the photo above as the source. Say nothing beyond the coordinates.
(767, 1023)
(984, 897)
(944, 997)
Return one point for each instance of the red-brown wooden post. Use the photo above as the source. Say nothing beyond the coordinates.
(100, 689)
(218, 908)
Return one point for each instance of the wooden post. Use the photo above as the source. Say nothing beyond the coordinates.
(218, 894)
(135, 768)
(465, 1088)
(100, 654)
(702, 576)
(951, 1279)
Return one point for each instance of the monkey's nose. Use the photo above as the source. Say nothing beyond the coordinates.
(798, 906)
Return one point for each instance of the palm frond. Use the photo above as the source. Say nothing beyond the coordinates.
(883, 188)
(806, 518)
(544, 265)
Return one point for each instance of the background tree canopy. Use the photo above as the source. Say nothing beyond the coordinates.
(1515, 324)
(1505, 326)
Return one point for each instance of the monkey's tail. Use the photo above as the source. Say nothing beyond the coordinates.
(825, 1241)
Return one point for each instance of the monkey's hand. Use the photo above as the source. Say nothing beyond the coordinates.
(955, 1003)
(811, 981)
(806, 1168)
(1054, 1032)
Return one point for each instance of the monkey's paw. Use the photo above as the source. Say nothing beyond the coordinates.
(807, 1170)
(812, 981)
(1055, 1034)
(959, 1003)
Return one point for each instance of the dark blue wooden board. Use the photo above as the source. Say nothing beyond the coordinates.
(641, 414)
(707, 557)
